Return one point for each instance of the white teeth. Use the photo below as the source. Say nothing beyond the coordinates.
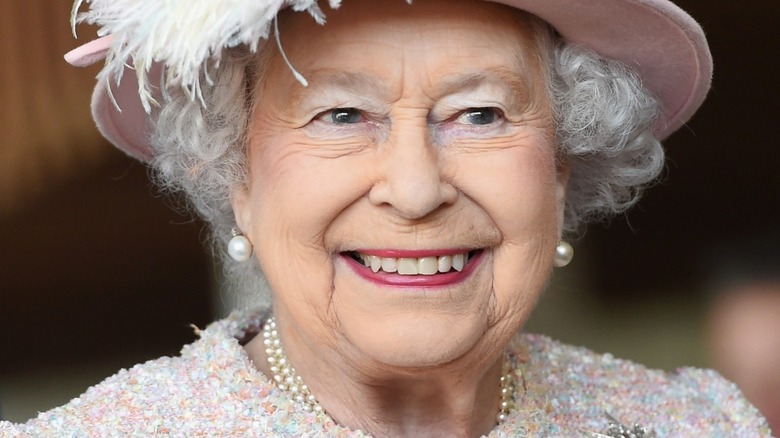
(445, 263)
(415, 266)
(458, 260)
(376, 263)
(389, 264)
(407, 266)
(427, 265)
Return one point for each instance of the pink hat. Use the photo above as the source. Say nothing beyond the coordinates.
(656, 38)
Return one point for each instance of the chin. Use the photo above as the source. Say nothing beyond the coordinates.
(414, 326)
(415, 339)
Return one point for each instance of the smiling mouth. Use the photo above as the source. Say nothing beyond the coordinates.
(429, 265)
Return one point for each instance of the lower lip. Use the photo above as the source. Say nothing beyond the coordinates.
(436, 280)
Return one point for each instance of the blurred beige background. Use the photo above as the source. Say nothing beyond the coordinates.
(97, 272)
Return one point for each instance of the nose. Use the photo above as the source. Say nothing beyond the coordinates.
(411, 180)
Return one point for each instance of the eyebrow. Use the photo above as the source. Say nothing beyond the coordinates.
(352, 82)
(362, 84)
(518, 85)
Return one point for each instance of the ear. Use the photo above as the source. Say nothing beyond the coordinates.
(239, 199)
(563, 171)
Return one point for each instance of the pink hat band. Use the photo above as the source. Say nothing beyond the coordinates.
(661, 42)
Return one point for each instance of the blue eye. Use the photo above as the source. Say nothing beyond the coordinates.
(479, 116)
(343, 116)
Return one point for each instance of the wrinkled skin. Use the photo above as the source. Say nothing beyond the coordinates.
(424, 127)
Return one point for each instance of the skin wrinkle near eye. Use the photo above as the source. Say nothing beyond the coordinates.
(509, 140)
(502, 88)
(365, 134)
(327, 82)
(333, 150)
(515, 87)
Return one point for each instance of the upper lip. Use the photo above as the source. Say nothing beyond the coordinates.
(413, 253)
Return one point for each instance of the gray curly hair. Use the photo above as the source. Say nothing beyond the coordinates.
(603, 120)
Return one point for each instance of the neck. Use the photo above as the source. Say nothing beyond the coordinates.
(430, 403)
(453, 400)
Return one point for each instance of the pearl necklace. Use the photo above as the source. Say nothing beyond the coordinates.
(286, 379)
(283, 372)
(510, 376)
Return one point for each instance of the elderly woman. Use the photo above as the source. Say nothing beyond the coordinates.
(401, 179)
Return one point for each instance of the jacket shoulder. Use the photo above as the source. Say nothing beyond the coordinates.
(583, 389)
(212, 383)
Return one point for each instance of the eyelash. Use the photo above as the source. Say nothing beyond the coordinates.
(497, 115)
(363, 124)
(359, 123)
(354, 116)
(330, 116)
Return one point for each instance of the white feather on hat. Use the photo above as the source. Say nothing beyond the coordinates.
(185, 36)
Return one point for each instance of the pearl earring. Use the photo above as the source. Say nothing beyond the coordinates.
(239, 247)
(563, 254)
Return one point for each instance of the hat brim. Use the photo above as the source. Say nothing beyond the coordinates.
(656, 38)
(659, 40)
(125, 124)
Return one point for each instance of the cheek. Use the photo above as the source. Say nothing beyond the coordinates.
(296, 196)
(300, 191)
(516, 187)
(285, 229)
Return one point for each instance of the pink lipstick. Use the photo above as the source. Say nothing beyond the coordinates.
(449, 273)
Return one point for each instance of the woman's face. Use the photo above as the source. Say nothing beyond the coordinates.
(424, 138)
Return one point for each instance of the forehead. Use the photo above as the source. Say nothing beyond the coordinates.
(390, 39)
